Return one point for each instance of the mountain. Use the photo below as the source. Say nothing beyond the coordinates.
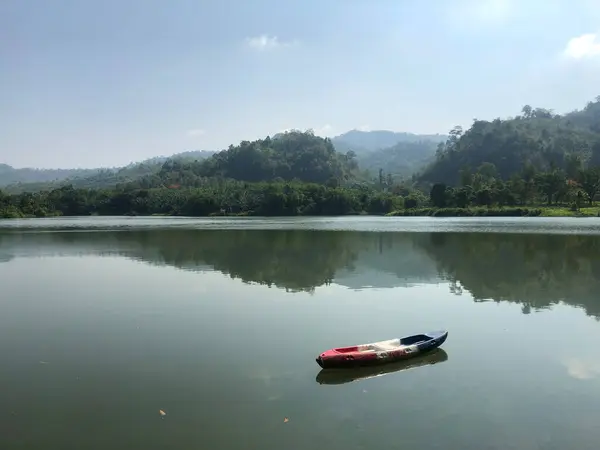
(400, 160)
(191, 155)
(535, 141)
(397, 153)
(19, 180)
(366, 141)
(10, 175)
(290, 156)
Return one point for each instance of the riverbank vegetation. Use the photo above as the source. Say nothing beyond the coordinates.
(280, 198)
(214, 198)
(536, 164)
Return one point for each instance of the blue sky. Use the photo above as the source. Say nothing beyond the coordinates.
(102, 83)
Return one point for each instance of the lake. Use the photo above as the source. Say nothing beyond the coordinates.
(217, 322)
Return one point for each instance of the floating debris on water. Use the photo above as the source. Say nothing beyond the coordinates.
(162, 413)
(286, 420)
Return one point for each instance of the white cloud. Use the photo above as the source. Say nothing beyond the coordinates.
(265, 42)
(584, 46)
(196, 132)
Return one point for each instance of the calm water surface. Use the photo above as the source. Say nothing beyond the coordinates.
(106, 321)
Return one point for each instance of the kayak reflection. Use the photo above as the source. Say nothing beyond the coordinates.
(343, 376)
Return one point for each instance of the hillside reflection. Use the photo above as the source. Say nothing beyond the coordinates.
(535, 271)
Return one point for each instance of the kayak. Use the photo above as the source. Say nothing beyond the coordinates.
(336, 376)
(381, 352)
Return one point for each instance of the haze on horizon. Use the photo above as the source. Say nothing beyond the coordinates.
(105, 83)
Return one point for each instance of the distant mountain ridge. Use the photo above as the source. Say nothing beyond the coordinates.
(378, 139)
(10, 175)
(398, 152)
(38, 178)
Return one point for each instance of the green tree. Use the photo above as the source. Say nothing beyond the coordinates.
(589, 180)
(539, 138)
(462, 197)
(437, 195)
(466, 177)
(550, 183)
(488, 171)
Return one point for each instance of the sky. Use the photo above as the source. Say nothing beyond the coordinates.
(90, 83)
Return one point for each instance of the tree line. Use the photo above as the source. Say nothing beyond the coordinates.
(218, 196)
(485, 188)
(215, 197)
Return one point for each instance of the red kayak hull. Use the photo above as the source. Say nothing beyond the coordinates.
(381, 352)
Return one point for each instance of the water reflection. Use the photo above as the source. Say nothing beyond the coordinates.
(343, 376)
(535, 271)
(293, 260)
(583, 368)
(228, 362)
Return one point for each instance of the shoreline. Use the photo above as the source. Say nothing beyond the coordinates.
(526, 211)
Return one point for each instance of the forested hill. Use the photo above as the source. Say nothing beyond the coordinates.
(27, 179)
(536, 140)
(10, 175)
(294, 154)
(290, 156)
(306, 157)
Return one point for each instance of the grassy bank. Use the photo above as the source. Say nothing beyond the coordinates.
(534, 211)
(557, 211)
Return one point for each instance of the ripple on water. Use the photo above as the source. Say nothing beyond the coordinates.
(546, 225)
